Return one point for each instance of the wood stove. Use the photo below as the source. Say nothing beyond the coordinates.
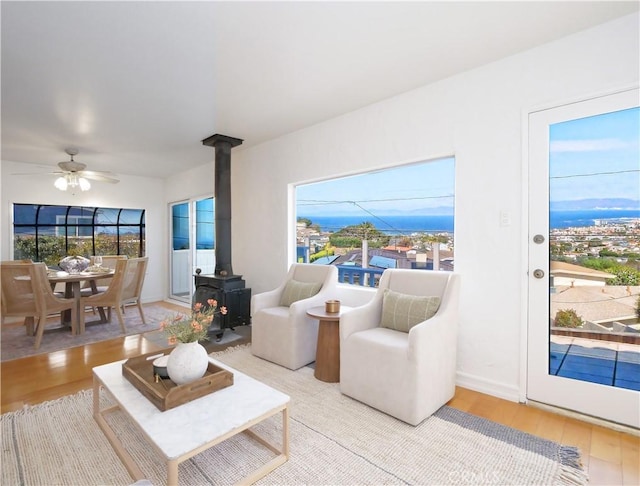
(225, 287)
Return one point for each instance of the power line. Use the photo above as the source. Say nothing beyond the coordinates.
(379, 219)
(321, 201)
(595, 174)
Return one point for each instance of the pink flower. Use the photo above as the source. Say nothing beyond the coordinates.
(212, 302)
(172, 340)
(197, 306)
(223, 310)
(163, 325)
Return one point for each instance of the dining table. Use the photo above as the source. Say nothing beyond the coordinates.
(73, 290)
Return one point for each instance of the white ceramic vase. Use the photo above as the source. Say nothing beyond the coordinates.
(187, 362)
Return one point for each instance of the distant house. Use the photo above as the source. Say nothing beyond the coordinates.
(398, 249)
(567, 274)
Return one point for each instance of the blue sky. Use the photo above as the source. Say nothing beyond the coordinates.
(607, 146)
(415, 188)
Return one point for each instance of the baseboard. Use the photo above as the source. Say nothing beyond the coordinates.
(175, 302)
(586, 418)
(488, 387)
(151, 299)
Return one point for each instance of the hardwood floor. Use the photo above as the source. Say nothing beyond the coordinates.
(610, 457)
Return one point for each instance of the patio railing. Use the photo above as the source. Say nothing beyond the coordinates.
(359, 276)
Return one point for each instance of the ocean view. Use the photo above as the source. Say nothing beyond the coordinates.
(568, 219)
(387, 224)
(423, 224)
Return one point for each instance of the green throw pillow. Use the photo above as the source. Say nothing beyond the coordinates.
(401, 312)
(294, 291)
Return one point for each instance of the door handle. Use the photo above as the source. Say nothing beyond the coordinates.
(537, 273)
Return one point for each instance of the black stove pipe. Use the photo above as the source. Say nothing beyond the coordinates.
(223, 145)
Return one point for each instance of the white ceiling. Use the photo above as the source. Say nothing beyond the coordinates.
(136, 86)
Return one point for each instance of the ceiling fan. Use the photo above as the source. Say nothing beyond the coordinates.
(72, 174)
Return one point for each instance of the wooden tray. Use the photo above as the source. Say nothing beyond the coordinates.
(166, 394)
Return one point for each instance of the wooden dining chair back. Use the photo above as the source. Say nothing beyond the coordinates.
(108, 261)
(17, 290)
(100, 285)
(125, 285)
(134, 279)
(26, 292)
(48, 302)
(110, 298)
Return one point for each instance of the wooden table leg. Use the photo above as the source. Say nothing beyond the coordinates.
(282, 452)
(29, 324)
(68, 294)
(94, 290)
(285, 432)
(172, 473)
(127, 460)
(328, 352)
(76, 291)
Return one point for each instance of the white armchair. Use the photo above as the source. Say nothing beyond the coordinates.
(408, 375)
(281, 331)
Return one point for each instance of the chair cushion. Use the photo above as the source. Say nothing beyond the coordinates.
(401, 312)
(295, 290)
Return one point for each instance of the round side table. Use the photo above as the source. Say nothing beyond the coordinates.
(328, 349)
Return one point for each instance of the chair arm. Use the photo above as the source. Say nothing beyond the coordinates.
(360, 318)
(434, 339)
(300, 307)
(266, 300)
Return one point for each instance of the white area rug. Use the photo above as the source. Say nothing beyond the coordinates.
(334, 440)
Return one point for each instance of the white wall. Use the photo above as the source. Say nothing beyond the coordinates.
(131, 192)
(476, 116)
(195, 183)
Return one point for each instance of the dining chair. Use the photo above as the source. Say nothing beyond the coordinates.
(26, 293)
(100, 285)
(17, 292)
(125, 288)
(132, 291)
(108, 261)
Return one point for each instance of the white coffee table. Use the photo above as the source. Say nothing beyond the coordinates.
(209, 420)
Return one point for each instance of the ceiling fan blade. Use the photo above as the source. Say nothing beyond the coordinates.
(37, 173)
(98, 176)
(97, 173)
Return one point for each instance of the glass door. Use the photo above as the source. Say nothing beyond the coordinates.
(584, 255)
(192, 244)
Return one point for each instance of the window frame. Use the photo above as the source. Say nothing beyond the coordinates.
(67, 225)
(302, 253)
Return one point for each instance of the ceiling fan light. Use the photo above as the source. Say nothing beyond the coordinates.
(61, 183)
(85, 185)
